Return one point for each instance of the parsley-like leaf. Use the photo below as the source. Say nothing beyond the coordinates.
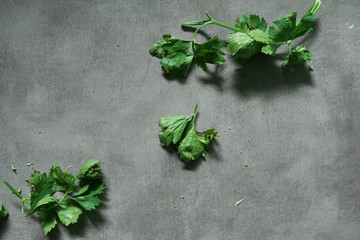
(48, 220)
(67, 212)
(260, 36)
(242, 24)
(195, 143)
(270, 49)
(238, 41)
(298, 55)
(90, 170)
(285, 27)
(192, 144)
(255, 22)
(175, 55)
(87, 197)
(64, 180)
(175, 126)
(210, 52)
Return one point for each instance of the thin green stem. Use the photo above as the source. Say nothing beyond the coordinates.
(194, 114)
(195, 109)
(16, 193)
(66, 193)
(211, 21)
(221, 24)
(196, 31)
(207, 14)
(315, 7)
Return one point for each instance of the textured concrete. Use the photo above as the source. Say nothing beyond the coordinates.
(79, 73)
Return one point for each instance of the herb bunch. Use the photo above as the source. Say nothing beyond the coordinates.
(180, 131)
(76, 197)
(251, 35)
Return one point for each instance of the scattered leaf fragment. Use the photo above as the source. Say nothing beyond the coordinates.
(13, 168)
(239, 202)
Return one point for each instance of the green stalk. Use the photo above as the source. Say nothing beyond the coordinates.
(66, 193)
(194, 114)
(315, 7)
(203, 23)
(16, 193)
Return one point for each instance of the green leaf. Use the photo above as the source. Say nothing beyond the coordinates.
(36, 179)
(90, 170)
(157, 49)
(254, 23)
(43, 204)
(298, 55)
(210, 52)
(285, 27)
(252, 49)
(304, 26)
(41, 196)
(270, 49)
(64, 180)
(87, 197)
(3, 213)
(194, 144)
(206, 137)
(177, 62)
(175, 55)
(242, 24)
(48, 220)
(67, 212)
(260, 36)
(238, 41)
(175, 126)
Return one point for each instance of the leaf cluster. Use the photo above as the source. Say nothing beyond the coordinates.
(180, 131)
(251, 35)
(78, 194)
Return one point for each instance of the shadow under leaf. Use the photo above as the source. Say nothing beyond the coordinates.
(4, 225)
(260, 73)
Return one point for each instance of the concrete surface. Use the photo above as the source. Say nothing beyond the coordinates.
(79, 72)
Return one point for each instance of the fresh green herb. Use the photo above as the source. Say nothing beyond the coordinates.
(311, 68)
(180, 131)
(251, 35)
(13, 168)
(20, 190)
(239, 202)
(3, 213)
(182, 197)
(29, 164)
(75, 198)
(175, 206)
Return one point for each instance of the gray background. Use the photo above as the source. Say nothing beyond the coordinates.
(80, 73)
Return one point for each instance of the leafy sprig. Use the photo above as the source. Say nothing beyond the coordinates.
(251, 35)
(76, 196)
(180, 131)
